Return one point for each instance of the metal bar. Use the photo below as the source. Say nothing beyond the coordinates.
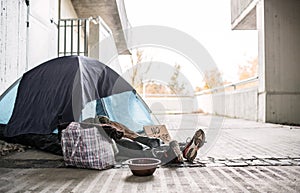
(69, 25)
(104, 25)
(58, 38)
(59, 10)
(85, 39)
(9, 88)
(27, 36)
(72, 37)
(87, 36)
(74, 19)
(70, 52)
(78, 37)
(65, 38)
(253, 79)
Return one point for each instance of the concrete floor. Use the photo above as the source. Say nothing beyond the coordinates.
(199, 179)
(239, 156)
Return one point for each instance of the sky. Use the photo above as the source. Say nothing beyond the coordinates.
(208, 21)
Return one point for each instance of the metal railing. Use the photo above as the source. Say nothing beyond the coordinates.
(231, 85)
(73, 36)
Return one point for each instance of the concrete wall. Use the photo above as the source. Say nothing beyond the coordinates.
(12, 41)
(23, 48)
(279, 58)
(42, 34)
(277, 22)
(102, 45)
(171, 104)
(67, 10)
(236, 104)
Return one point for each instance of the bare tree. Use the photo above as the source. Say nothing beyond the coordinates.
(174, 84)
(249, 70)
(135, 79)
(138, 69)
(212, 79)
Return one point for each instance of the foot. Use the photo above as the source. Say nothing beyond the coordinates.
(168, 153)
(191, 149)
(174, 146)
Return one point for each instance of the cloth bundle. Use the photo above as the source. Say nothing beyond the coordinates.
(87, 147)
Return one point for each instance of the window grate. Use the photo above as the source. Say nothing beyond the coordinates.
(73, 37)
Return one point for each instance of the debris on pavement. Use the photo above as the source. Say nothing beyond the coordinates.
(6, 148)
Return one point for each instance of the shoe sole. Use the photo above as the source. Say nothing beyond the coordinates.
(192, 148)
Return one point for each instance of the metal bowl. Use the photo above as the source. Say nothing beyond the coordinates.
(143, 166)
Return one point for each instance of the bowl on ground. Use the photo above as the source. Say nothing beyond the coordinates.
(143, 166)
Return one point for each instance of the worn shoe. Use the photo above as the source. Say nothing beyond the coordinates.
(191, 149)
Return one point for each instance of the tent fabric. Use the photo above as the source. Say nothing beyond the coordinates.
(57, 90)
(7, 102)
(131, 112)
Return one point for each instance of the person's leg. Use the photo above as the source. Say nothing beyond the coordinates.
(105, 130)
(131, 149)
(128, 133)
(120, 127)
(49, 143)
(149, 141)
(2, 127)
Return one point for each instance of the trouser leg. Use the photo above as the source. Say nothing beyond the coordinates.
(131, 149)
(49, 143)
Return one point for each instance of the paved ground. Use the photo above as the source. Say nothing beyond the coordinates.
(239, 156)
(203, 179)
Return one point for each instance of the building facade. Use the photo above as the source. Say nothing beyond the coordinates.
(278, 27)
(34, 31)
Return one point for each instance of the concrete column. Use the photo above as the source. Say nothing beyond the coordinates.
(279, 59)
(94, 39)
(261, 114)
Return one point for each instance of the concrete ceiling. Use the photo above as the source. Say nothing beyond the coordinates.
(246, 23)
(108, 11)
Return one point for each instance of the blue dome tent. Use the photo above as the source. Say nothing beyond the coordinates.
(67, 89)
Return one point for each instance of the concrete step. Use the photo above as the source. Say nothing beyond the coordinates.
(31, 158)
